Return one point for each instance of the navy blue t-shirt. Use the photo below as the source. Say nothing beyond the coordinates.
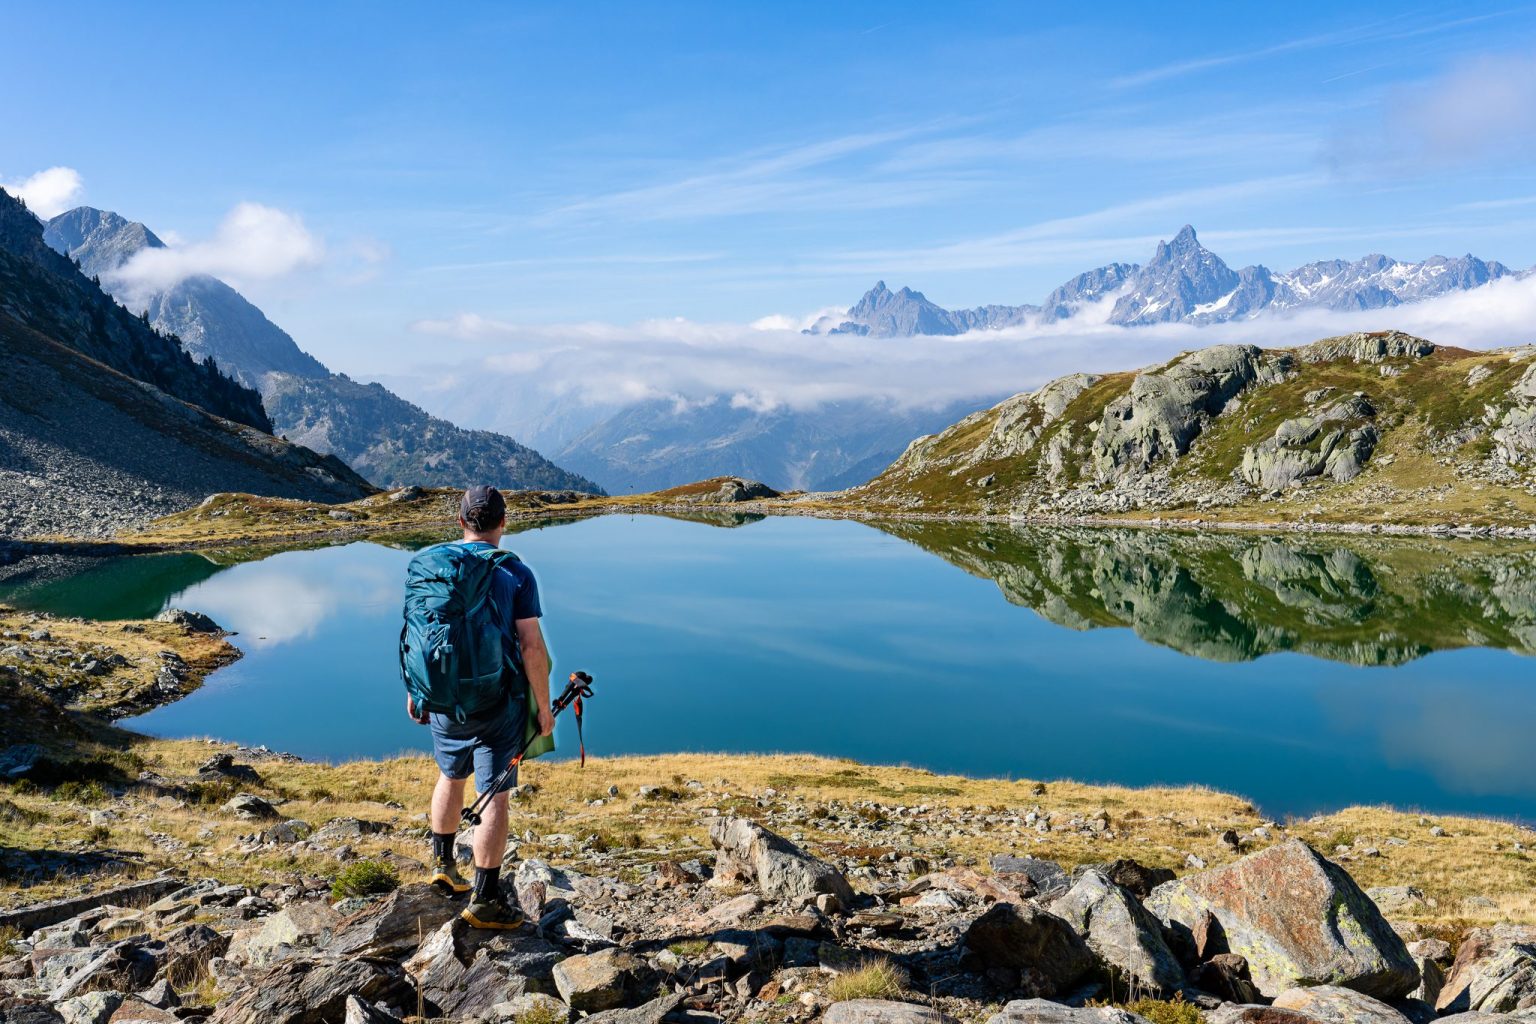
(516, 594)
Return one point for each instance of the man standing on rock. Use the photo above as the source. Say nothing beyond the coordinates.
(478, 722)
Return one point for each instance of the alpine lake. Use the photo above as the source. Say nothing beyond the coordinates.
(1305, 672)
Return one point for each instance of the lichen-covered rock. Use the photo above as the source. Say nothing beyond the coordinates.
(1121, 931)
(1042, 1011)
(309, 992)
(1046, 953)
(1298, 919)
(1334, 1005)
(1494, 971)
(1366, 347)
(1335, 441)
(1167, 408)
(779, 868)
(598, 981)
(883, 1011)
(1022, 418)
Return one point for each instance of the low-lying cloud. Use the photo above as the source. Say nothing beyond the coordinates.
(49, 193)
(253, 242)
(770, 364)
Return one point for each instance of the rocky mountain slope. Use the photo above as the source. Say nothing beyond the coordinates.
(86, 446)
(391, 441)
(88, 451)
(45, 291)
(1184, 282)
(1366, 428)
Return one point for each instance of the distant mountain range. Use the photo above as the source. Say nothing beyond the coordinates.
(106, 422)
(375, 431)
(1184, 282)
(657, 444)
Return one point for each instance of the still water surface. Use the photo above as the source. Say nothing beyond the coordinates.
(1304, 673)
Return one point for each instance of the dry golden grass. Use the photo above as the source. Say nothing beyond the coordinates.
(877, 978)
(1157, 826)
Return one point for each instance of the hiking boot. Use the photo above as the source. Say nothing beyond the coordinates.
(493, 913)
(447, 880)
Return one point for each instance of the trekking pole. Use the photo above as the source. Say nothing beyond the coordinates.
(577, 690)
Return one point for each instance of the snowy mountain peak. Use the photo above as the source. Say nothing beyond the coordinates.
(1185, 282)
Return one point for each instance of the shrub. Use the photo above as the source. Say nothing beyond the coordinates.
(540, 1013)
(1175, 1011)
(365, 878)
(874, 979)
(80, 792)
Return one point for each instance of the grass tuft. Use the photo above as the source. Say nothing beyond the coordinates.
(874, 979)
(365, 878)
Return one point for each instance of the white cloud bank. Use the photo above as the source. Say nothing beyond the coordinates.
(253, 242)
(49, 193)
(769, 364)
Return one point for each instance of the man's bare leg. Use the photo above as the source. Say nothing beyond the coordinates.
(447, 802)
(491, 834)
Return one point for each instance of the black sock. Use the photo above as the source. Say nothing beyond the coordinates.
(442, 846)
(487, 883)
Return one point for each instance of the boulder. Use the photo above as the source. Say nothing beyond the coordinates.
(187, 950)
(779, 868)
(1047, 878)
(1048, 956)
(544, 1007)
(309, 992)
(136, 1011)
(1256, 1013)
(456, 983)
(161, 994)
(360, 1011)
(1121, 931)
(1366, 347)
(1335, 441)
(121, 967)
(393, 926)
(598, 981)
(1167, 408)
(883, 1011)
(1042, 1011)
(1226, 975)
(1136, 878)
(91, 1008)
(295, 929)
(1494, 971)
(196, 622)
(1297, 918)
(250, 807)
(18, 1011)
(1335, 1005)
(653, 1012)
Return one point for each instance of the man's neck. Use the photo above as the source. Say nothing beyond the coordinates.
(493, 539)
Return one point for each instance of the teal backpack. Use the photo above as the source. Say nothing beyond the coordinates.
(452, 656)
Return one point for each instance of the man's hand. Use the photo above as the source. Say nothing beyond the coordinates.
(546, 721)
(420, 718)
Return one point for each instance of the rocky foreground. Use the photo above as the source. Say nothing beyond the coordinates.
(159, 881)
(756, 928)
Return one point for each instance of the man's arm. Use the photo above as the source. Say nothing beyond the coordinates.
(530, 639)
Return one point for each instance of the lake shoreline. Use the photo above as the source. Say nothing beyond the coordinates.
(292, 535)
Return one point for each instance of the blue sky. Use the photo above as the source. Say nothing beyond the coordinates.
(540, 164)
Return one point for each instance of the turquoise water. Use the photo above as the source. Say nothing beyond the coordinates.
(1303, 674)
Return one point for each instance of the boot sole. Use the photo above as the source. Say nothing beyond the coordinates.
(499, 926)
(447, 887)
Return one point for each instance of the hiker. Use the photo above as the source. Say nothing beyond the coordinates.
(473, 658)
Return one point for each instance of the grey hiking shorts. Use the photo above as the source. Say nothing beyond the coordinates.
(484, 743)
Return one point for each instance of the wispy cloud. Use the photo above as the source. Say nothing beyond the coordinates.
(770, 181)
(49, 193)
(1374, 32)
(254, 242)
